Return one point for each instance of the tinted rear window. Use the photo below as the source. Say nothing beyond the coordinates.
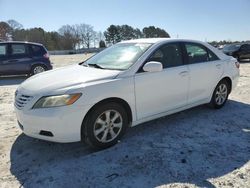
(38, 50)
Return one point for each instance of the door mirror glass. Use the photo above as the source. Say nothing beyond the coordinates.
(152, 66)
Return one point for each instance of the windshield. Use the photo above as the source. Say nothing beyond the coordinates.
(118, 57)
(232, 47)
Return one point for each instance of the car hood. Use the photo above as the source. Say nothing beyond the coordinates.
(65, 77)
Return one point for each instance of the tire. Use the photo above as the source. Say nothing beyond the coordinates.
(36, 69)
(105, 125)
(220, 95)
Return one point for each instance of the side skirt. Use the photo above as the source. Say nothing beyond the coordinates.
(156, 116)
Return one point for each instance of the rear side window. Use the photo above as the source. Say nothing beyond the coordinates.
(197, 54)
(38, 50)
(3, 50)
(18, 49)
(169, 55)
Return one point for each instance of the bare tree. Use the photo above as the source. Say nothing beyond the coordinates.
(86, 33)
(70, 35)
(15, 25)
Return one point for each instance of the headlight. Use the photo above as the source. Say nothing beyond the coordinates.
(57, 100)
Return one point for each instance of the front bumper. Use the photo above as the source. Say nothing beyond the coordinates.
(63, 122)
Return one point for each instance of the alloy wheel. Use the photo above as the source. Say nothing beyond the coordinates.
(108, 126)
(221, 94)
(38, 69)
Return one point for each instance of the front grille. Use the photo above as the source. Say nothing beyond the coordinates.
(22, 100)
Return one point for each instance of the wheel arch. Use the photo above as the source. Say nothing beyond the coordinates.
(108, 100)
(229, 81)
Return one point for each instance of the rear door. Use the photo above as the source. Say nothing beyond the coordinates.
(205, 71)
(19, 59)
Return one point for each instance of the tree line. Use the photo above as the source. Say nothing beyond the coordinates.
(77, 36)
(225, 42)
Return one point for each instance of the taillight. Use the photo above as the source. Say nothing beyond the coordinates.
(237, 64)
(46, 55)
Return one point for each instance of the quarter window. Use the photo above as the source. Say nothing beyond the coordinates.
(212, 56)
(169, 55)
(38, 50)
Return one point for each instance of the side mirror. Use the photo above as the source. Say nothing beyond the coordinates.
(153, 66)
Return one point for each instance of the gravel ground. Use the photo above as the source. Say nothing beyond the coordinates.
(200, 147)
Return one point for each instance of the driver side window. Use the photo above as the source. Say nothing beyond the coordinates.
(169, 55)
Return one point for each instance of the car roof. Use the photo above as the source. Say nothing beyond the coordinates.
(20, 42)
(157, 40)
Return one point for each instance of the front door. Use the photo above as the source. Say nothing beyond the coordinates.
(158, 92)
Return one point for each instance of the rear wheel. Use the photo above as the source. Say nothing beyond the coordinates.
(37, 69)
(105, 125)
(220, 95)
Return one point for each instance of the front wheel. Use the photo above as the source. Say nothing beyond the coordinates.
(220, 95)
(105, 125)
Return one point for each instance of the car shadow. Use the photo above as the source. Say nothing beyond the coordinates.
(15, 80)
(192, 146)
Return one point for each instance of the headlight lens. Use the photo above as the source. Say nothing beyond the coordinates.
(57, 100)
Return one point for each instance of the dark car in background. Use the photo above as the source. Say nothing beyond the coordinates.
(239, 51)
(23, 58)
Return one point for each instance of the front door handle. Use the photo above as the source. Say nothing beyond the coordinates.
(183, 73)
(218, 66)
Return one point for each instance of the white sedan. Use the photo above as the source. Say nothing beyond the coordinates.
(127, 84)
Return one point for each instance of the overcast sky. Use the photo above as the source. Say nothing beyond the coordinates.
(196, 19)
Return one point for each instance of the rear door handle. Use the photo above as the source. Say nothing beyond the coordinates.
(183, 73)
(218, 66)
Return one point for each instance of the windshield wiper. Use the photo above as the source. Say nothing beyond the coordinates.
(95, 65)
